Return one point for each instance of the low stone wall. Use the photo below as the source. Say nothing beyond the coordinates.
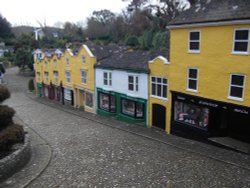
(12, 163)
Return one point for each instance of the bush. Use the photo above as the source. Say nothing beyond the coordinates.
(11, 135)
(132, 41)
(4, 93)
(6, 114)
(31, 85)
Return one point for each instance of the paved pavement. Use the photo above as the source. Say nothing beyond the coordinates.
(72, 148)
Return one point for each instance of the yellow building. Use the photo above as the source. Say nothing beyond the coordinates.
(38, 67)
(84, 79)
(210, 71)
(158, 109)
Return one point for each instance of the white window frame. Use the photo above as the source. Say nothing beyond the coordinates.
(189, 35)
(56, 76)
(230, 85)
(83, 78)
(248, 41)
(83, 57)
(157, 83)
(135, 82)
(68, 77)
(46, 76)
(108, 79)
(196, 79)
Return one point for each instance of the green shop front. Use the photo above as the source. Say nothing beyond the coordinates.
(121, 106)
(39, 89)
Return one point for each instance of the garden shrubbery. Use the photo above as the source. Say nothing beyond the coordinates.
(10, 133)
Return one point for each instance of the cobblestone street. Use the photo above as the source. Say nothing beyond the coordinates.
(86, 153)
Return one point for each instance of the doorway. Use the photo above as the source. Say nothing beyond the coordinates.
(159, 116)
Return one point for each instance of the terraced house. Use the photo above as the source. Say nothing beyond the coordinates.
(210, 70)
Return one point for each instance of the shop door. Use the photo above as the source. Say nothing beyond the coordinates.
(72, 97)
(159, 116)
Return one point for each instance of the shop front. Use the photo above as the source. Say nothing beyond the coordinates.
(201, 118)
(84, 99)
(106, 101)
(68, 96)
(39, 89)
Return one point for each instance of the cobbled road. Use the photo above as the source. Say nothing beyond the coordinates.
(89, 154)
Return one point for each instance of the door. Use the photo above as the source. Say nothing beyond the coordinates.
(159, 116)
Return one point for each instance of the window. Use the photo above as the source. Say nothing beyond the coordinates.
(46, 75)
(192, 79)
(38, 76)
(67, 74)
(132, 108)
(107, 102)
(56, 76)
(89, 99)
(190, 114)
(159, 87)
(55, 64)
(83, 59)
(237, 83)
(67, 61)
(84, 76)
(133, 83)
(46, 64)
(194, 41)
(67, 94)
(107, 78)
(241, 39)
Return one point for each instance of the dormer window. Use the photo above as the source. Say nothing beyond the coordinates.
(67, 61)
(194, 42)
(241, 40)
(83, 59)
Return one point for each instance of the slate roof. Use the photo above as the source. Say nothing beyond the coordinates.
(214, 11)
(131, 60)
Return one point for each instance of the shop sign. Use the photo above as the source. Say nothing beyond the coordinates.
(181, 98)
(209, 104)
(242, 111)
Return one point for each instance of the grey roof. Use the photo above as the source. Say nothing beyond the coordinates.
(131, 60)
(214, 11)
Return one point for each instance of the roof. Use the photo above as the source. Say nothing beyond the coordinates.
(130, 60)
(205, 11)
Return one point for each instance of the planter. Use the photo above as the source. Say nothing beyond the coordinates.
(16, 160)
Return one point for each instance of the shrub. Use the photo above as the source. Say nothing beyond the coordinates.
(132, 41)
(31, 85)
(4, 93)
(6, 114)
(11, 135)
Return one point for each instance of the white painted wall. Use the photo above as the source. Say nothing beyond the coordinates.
(120, 82)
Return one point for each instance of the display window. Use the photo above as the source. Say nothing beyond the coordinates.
(67, 94)
(191, 114)
(108, 102)
(89, 99)
(132, 108)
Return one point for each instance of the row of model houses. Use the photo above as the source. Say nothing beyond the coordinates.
(204, 91)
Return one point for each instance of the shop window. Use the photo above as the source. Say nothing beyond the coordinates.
(107, 102)
(46, 92)
(132, 108)
(107, 78)
(133, 82)
(89, 99)
(241, 40)
(159, 87)
(194, 41)
(56, 76)
(192, 115)
(192, 79)
(84, 76)
(67, 94)
(237, 83)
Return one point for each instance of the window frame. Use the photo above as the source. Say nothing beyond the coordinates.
(68, 78)
(46, 76)
(38, 76)
(109, 102)
(135, 110)
(135, 83)
(189, 41)
(197, 78)
(82, 78)
(83, 57)
(230, 87)
(56, 76)
(108, 79)
(67, 61)
(156, 89)
(234, 41)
